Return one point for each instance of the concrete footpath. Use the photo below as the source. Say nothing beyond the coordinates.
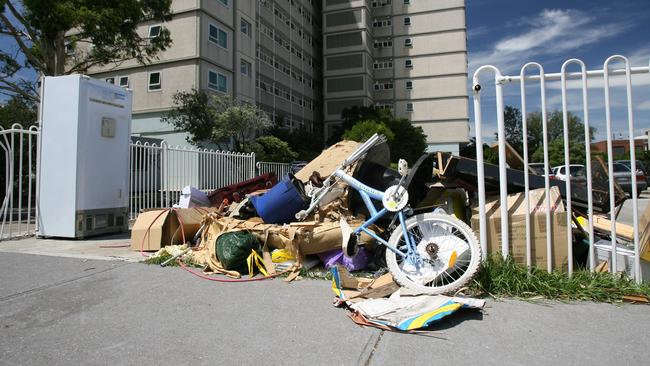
(68, 311)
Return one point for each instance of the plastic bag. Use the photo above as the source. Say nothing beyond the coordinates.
(233, 248)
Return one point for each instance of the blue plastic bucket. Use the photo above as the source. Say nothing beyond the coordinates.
(280, 204)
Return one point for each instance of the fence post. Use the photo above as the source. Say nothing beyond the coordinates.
(479, 152)
(164, 171)
(253, 164)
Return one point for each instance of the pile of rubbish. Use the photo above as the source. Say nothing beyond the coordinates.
(413, 229)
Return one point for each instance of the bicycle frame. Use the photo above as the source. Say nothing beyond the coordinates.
(367, 195)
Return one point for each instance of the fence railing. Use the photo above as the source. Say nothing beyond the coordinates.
(18, 176)
(588, 80)
(159, 172)
(280, 169)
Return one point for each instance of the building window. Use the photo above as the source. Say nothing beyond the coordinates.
(409, 85)
(384, 86)
(407, 2)
(408, 42)
(409, 107)
(154, 81)
(380, 3)
(225, 2)
(407, 21)
(124, 81)
(70, 48)
(382, 23)
(218, 36)
(245, 68)
(154, 30)
(245, 27)
(110, 80)
(217, 81)
(408, 64)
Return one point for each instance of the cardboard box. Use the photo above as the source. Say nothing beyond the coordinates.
(517, 228)
(163, 227)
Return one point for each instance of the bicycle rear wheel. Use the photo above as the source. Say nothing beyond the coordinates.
(447, 254)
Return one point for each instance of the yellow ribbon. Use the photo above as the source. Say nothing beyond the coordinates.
(254, 260)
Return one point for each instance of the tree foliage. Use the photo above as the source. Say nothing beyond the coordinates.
(18, 110)
(409, 141)
(363, 130)
(222, 121)
(489, 155)
(556, 153)
(555, 131)
(271, 148)
(60, 37)
(305, 143)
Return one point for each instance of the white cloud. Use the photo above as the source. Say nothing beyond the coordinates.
(640, 57)
(550, 32)
(643, 106)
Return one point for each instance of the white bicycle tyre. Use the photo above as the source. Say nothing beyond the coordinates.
(475, 254)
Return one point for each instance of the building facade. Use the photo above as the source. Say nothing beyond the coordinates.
(304, 61)
(261, 51)
(408, 56)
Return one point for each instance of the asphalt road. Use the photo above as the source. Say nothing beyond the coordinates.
(70, 311)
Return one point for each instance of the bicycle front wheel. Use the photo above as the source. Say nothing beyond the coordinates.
(446, 258)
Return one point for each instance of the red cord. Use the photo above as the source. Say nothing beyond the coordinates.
(183, 266)
(147, 233)
(215, 279)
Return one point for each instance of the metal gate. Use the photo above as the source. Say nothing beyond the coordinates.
(588, 81)
(18, 213)
(159, 172)
(280, 169)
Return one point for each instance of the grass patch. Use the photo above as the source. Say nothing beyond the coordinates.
(157, 260)
(500, 277)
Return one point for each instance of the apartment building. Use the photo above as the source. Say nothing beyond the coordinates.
(304, 61)
(262, 51)
(409, 56)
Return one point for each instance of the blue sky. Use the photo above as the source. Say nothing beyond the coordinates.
(508, 34)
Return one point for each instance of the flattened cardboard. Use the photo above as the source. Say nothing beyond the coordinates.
(517, 228)
(164, 229)
(328, 160)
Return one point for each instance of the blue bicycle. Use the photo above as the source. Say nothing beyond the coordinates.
(429, 252)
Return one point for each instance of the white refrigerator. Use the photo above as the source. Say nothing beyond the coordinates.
(83, 178)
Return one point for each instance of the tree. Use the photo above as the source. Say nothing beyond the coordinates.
(556, 153)
(469, 151)
(61, 37)
(18, 110)
(555, 129)
(513, 128)
(271, 148)
(363, 130)
(193, 113)
(352, 115)
(242, 122)
(307, 144)
(409, 141)
(222, 121)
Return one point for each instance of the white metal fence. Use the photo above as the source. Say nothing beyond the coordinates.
(280, 169)
(588, 81)
(159, 172)
(18, 149)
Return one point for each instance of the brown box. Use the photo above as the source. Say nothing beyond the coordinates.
(517, 228)
(164, 229)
